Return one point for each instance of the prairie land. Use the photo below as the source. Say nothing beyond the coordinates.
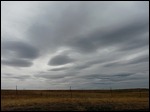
(75, 100)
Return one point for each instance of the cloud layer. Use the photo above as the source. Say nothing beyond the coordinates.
(60, 60)
(86, 45)
(18, 54)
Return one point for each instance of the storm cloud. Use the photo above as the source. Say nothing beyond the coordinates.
(19, 50)
(123, 34)
(18, 54)
(86, 45)
(58, 69)
(17, 63)
(60, 60)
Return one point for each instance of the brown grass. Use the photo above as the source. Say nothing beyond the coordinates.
(87, 100)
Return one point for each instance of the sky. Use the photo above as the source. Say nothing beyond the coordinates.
(82, 44)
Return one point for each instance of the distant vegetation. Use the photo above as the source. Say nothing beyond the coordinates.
(80, 100)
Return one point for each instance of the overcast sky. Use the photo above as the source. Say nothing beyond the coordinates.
(86, 45)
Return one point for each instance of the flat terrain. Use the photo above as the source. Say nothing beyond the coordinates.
(75, 100)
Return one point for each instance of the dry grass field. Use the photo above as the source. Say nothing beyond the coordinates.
(75, 100)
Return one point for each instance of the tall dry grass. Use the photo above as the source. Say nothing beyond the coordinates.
(88, 100)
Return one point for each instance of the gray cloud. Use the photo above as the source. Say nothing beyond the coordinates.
(22, 78)
(95, 44)
(106, 76)
(18, 54)
(58, 69)
(137, 60)
(52, 76)
(135, 44)
(112, 64)
(141, 59)
(127, 78)
(75, 20)
(60, 60)
(49, 75)
(95, 76)
(17, 63)
(67, 24)
(123, 74)
(80, 67)
(19, 50)
(120, 34)
(8, 74)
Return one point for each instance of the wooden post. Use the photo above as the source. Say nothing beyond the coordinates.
(140, 92)
(70, 92)
(16, 90)
(111, 91)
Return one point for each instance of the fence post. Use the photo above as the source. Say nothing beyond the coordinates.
(140, 92)
(70, 92)
(16, 90)
(111, 91)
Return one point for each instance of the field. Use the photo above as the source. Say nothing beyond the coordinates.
(75, 100)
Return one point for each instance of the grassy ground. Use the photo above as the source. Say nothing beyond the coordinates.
(76, 100)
